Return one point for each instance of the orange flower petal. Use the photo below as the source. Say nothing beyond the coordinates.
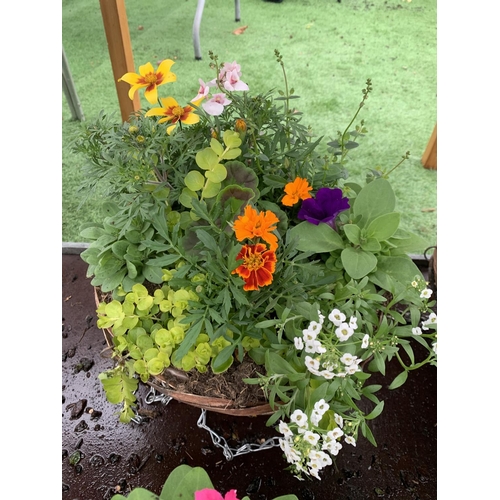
(295, 191)
(258, 266)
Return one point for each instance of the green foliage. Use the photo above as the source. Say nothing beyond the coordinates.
(182, 483)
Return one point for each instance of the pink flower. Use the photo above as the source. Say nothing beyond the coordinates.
(215, 105)
(232, 81)
(234, 66)
(208, 494)
(203, 90)
(229, 76)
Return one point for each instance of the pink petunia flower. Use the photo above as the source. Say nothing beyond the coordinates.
(209, 494)
(215, 105)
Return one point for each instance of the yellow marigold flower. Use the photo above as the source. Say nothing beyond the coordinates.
(258, 266)
(173, 112)
(253, 224)
(295, 191)
(150, 79)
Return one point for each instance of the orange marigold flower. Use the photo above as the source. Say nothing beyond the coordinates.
(295, 191)
(253, 224)
(258, 266)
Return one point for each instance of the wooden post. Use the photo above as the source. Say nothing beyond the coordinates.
(115, 22)
(429, 158)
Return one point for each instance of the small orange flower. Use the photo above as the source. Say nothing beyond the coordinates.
(253, 224)
(258, 266)
(295, 191)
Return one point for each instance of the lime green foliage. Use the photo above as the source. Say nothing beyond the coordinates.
(147, 332)
(182, 483)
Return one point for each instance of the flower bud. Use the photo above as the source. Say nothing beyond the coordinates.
(240, 125)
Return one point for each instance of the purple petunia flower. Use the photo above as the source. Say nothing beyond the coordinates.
(324, 208)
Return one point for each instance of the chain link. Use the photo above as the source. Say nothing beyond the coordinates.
(230, 453)
(151, 397)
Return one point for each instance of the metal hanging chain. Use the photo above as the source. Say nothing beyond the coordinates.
(230, 453)
(151, 398)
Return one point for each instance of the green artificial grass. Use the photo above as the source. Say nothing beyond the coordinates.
(329, 50)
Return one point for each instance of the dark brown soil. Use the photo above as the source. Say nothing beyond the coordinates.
(227, 385)
(100, 456)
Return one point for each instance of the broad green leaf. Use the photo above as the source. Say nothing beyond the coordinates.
(400, 268)
(232, 154)
(186, 197)
(278, 365)
(131, 269)
(352, 232)
(109, 283)
(223, 360)
(375, 199)
(140, 366)
(153, 274)
(217, 174)
(119, 248)
(194, 180)
(185, 484)
(133, 236)
(384, 226)
(92, 233)
(155, 366)
(407, 242)
(109, 264)
(137, 494)
(216, 146)
(371, 245)
(318, 239)
(240, 175)
(173, 480)
(231, 139)
(211, 189)
(206, 159)
(357, 262)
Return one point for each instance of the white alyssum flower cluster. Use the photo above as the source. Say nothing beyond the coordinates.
(307, 447)
(431, 320)
(323, 357)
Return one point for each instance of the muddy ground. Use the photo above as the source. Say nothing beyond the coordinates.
(100, 456)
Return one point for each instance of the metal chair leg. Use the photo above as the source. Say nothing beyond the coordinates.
(197, 23)
(196, 29)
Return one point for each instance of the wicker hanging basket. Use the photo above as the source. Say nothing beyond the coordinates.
(168, 386)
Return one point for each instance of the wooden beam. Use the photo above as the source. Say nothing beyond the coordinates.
(429, 158)
(115, 22)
